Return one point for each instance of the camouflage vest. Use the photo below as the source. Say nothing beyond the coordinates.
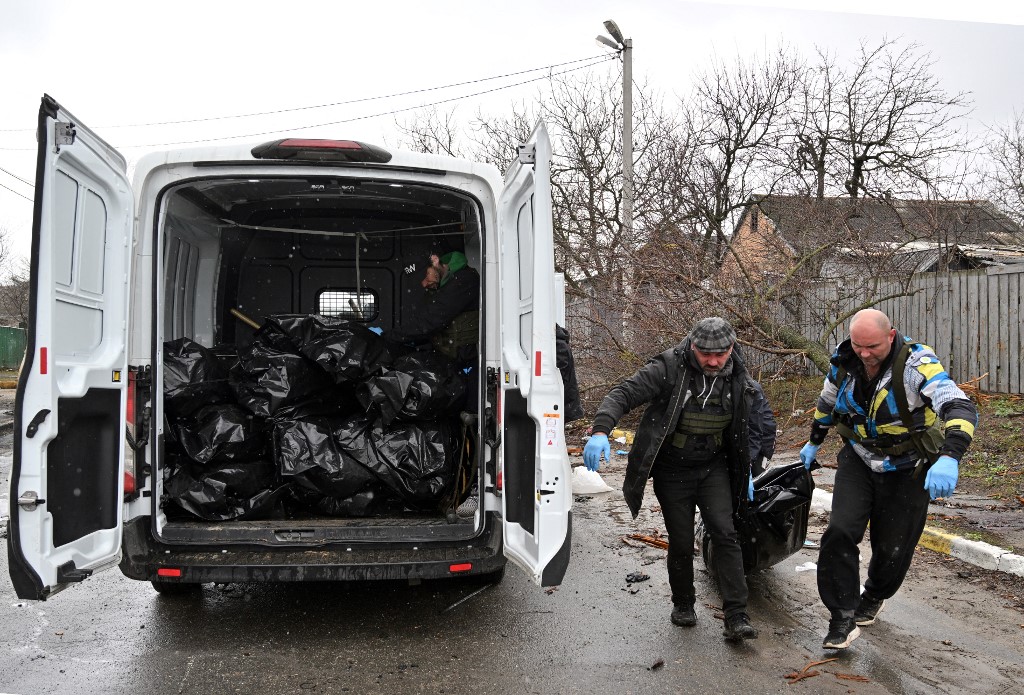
(462, 331)
(703, 422)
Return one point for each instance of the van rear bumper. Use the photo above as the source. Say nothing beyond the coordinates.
(142, 556)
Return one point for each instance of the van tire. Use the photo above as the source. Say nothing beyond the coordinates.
(175, 588)
(494, 577)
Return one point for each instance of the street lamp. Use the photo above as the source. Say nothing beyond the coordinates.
(624, 47)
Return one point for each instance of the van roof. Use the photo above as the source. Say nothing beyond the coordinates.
(242, 152)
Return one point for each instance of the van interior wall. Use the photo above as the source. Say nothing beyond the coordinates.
(212, 267)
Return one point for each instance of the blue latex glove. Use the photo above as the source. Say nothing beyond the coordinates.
(808, 454)
(596, 445)
(377, 330)
(941, 478)
(750, 487)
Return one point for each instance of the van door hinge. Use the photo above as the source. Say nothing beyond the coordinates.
(68, 573)
(33, 426)
(528, 154)
(63, 134)
(29, 500)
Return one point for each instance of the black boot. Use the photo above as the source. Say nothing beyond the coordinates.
(738, 627)
(684, 616)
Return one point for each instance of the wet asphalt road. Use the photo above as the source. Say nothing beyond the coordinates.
(594, 634)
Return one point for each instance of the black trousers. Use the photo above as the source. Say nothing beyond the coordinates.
(680, 489)
(896, 504)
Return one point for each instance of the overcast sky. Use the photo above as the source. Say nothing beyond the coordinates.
(120, 63)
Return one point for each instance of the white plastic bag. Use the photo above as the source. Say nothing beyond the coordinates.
(586, 482)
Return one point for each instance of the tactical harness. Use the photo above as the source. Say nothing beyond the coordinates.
(926, 440)
(700, 428)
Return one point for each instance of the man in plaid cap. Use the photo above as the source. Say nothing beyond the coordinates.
(704, 416)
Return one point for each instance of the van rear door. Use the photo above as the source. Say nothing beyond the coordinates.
(537, 491)
(69, 426)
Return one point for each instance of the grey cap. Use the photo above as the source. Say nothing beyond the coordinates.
(713, 334)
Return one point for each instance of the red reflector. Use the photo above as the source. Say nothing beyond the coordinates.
(461, 567)
(168, 572)
(321, 144)
(42, 360)
(500, 481)
(129, 483)
(129, 412)
(536, 368)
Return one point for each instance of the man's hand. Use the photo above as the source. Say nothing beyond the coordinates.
(596, 445)
(808, 454)
(941, 478)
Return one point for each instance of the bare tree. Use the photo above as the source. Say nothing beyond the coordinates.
(883, 124)
(736, 117)
(1005, 178)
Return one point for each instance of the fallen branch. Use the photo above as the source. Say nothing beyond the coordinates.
(805, 672)
(649, 540)
(851, 677)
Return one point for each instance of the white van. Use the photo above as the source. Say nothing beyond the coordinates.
(290, 227)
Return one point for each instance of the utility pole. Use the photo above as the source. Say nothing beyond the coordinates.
(624, 47)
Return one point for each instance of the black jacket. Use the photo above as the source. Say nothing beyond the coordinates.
(662, 383)
(438, 308)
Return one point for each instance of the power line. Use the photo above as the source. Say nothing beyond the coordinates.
(17, 177)
(324, 106)
(16, 193)
(602, 59)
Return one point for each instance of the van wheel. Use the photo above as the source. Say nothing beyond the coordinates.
(494, 577)
(175, 588)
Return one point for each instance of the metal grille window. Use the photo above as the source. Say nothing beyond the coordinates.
(348, 304)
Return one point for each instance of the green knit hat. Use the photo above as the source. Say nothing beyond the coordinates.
(456, 261)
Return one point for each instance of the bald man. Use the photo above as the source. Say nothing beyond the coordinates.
(890, 466)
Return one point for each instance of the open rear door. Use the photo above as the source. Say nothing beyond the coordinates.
(536, 474)
(67, 475)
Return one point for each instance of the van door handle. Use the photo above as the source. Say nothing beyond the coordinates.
(33, 426)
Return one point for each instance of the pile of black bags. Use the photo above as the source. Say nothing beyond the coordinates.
(315, 414)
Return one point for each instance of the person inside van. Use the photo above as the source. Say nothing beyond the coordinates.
(448, 314)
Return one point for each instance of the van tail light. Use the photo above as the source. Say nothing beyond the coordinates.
(129, 450)
(460, 567)
(169, 572)
(136, 412)
(306, 149)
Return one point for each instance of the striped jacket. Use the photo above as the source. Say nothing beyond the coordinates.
(934, 399)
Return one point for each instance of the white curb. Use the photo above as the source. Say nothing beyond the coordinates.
(978, 553)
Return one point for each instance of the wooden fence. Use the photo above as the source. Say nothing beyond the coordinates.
(971, 318)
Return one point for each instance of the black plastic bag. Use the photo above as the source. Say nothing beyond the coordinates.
(221, 433)
(221, 492)
(347, 350)
(774, 526)
(415, 461)
(272, 373)
(323, 453)
(361, 504)
(193, 377)
(418, 386)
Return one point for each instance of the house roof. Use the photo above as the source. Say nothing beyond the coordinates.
(805, 222)
(922, 256)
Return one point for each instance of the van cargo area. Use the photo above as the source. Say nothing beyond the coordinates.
(282, 418)
(304, 360)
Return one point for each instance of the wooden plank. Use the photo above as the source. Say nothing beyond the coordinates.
(984, 363)
(973, 309)
(944, 322)
(1001, 283)
(1014, 354)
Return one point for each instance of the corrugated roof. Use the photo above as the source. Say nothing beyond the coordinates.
(805, 222)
